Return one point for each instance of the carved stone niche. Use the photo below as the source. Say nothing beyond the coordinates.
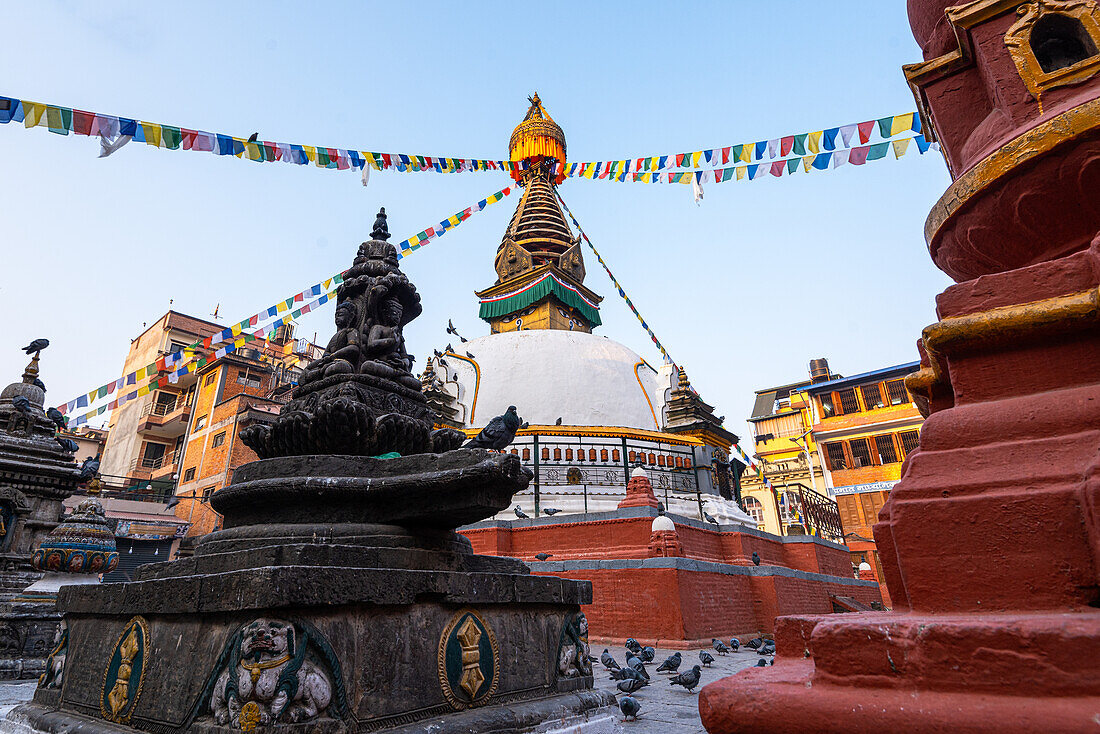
(512, 260)
(1055, 43)
(13, 505)
(572, 263)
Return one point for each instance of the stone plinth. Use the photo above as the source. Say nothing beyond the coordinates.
(639, 491)
(664, 541)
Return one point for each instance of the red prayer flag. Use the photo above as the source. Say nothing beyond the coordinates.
(785, 145)
(253, 321)
(725, 155)
(778, 167)
(386, 160)
(865, 129)
(306, 308)
(82, 122)
(858, 156)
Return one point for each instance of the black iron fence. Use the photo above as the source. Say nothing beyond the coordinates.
(129, 488)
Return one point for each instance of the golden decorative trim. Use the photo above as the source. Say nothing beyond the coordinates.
(1039, 140)
(477, 380)
(1018, 41)
(603, 432)
(470, 638)
(639, 363)
(137, 628)
(997, 326)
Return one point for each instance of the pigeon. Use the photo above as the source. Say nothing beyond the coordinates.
(618, 674)
(671, 663)
(543, 556)
(761, 663)
(58, 420)
(755, 558)
(39, 384)
(437, 353)
(498, 433)
(68, 444)
(470, 355)
(550, 510)
(705, 657)
(632, 684)
(609, 660)
(688, 679)
(253, 137)
(557, 422)
(647, 654)
(629, 672)
(89, 468)
(767, 648)
(449, 349)
(451, 328)
(719, 646)
(638, 666)
(632, 645)
(20, 403)
(735, 643)
(521, 514)
(709, 518)
(755, 643)
(36, 346)
(630, 708)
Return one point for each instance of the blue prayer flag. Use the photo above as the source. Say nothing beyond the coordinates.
(821, 162)
(127, 126)
(829, 141)
(225, 145)
(760, 148)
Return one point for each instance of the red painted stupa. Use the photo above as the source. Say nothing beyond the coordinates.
(991, 541)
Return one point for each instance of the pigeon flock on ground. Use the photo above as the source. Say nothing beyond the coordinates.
(633, 676)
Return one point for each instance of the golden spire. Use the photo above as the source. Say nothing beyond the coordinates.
(537, 138)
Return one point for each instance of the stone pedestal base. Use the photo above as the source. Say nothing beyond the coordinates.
(924, 674)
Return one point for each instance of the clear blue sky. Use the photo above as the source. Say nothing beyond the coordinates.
(743, 290)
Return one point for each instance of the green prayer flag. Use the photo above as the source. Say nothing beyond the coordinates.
(737, 150)
(885, 125)
(792, 165)
(878, 151)
(171, 137)
(800, 143)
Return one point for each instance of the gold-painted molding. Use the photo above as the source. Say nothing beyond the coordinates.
(1018, 41)
(1036, 142)
(997, 326)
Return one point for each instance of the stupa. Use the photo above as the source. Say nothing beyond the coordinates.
(337, 597)
(36, 475)
(991, 541)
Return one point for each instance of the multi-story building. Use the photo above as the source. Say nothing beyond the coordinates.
(90, 440)
(864, 427)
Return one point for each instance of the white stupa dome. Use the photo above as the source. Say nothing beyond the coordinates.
(662, 522)
(584, 379)
(638, 472)
(864, 566)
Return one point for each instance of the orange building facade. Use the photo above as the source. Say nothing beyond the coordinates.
(864, 427)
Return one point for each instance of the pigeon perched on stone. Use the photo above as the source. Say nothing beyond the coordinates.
(688, 679)
(629, 672)
(68, 444)
(498, 433)
(705, 657)
(36, 346)
(710, 518)
(557, 422)
(632, 645)
(89, 468)
(58, 419)
(630, 708)
(647, 654)
(543, 556)
(735, 643)
(755, 643)
(761, 663)
(550, 510)
(39, 384)
(437, 353)
(20, 403)
(469, 355)
(609, 660)
(719, 646)
(755, 558)
(632, 684)
(521, 514)
(671, 663)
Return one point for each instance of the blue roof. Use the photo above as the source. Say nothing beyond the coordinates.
(899, 369)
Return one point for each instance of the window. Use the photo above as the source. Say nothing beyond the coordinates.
(827, 409)
(849, 515)
(174, 347)
(872, 396)
(209, 379)
(895, 390)
(200, 423)
(848, 402)
(754, 509)
(834, 456)
(861, 452)
(206, 493)
(189, 474)
(1059, 41)
(219, 439)
(909, 441)
(887, 452)
(244, 378)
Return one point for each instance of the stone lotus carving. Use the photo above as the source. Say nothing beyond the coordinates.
(361, 398)
(274, 670)
(573, 651)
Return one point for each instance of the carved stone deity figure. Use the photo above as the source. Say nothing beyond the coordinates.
(361, 398)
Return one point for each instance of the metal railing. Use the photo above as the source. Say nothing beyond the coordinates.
(129, 488)
(161, 408)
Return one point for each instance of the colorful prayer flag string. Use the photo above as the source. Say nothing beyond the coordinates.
(619, 288)
(422, 238)
(804, 144)
(65, 120)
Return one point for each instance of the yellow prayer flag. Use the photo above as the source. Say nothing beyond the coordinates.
(901, 124)
(243, 145)
(152, 133)
(328, 283)
(900, 146)
(281, 307)
(34, 113)
(236, 329)
(740, 172)
(311, 153)
(746, 154)
(143, 390)
(813, 143)
(240, 343)
(807, 161)
(140, 374)
(695, 157)
(254, 152)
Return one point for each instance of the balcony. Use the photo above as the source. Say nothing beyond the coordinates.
(166, 419)
(130, 488)
(151, 467)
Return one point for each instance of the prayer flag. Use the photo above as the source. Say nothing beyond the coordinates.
(829, 138)
(786, 144)
(846, 133)
(900, 146)
(902, 123)
(885, 125)
(878, 151)
(813, 142)
(865, 129)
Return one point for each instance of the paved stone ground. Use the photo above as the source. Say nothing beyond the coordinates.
(666, 709)
(669, 709)
(15, 692)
